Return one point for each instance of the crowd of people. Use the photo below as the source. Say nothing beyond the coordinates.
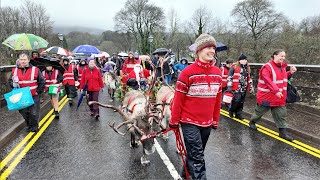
(198, 90)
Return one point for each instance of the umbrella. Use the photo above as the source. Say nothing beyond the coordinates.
(161, 51)
(84, 93)
(25, 42)
(41, 63)
(86, 49)
(123, 54)
(58, 50)
(220, 47)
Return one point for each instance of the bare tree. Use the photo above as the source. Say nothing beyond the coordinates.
(261, 20)
(141, 19)
(201, 21)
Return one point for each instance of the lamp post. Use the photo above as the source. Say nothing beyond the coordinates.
(150, 38)
(60, 36)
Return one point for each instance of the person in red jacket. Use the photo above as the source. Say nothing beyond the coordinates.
(53, 77)
(92, 78)
(70, 79)
(26, 75)
(239, 83)
(272, 92)
(128, 67)
(196, 104)
(80, 67)
(225, 71)
(137, 78)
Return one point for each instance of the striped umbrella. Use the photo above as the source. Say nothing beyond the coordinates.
(25, 42)
(58, 50)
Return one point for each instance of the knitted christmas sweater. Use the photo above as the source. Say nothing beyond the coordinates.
(198, 95)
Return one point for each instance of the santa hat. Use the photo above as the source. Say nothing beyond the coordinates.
(203, 41)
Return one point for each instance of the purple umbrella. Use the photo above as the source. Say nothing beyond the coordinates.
(86, 49)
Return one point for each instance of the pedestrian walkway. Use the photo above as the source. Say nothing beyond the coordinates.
(11, 122)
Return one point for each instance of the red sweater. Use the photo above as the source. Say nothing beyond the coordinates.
(92, 78)
(198, 95)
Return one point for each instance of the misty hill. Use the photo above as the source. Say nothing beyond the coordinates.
(67, 29)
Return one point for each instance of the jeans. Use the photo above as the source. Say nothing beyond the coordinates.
(168, 78)
(195, 139)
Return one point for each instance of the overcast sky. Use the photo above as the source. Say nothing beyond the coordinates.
(100, 13)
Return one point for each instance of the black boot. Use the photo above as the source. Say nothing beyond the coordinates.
(230, 114)
(252, 125)
(284, 134)
(239, 116)
(70, 102)
(56, 113)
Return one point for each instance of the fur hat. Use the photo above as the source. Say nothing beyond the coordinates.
(242, 56)
(203, 41)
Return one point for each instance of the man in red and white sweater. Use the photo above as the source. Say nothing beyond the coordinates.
(196, 104)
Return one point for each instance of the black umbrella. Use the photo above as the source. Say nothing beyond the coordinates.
(84, 93)
(221, 47)
(55, 63)
(38, 64)
(161, 51)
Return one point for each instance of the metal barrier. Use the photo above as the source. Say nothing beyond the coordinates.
(5, 72)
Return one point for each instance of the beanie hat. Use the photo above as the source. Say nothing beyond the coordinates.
(203, 41)
(242, 56)
(89, 59)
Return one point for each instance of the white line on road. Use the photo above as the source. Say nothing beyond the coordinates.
(174, 173)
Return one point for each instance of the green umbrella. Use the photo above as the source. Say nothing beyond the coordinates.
(25, 42)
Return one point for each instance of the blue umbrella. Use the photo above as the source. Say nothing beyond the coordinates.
(84, 93)
(86, 49)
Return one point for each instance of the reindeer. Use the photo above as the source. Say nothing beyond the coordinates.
(110, 80)
(164, 99)
(136, 112)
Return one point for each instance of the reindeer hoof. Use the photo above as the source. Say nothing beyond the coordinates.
(145, 161)
(135, 145)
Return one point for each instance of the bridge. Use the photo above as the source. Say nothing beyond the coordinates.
(79, 147)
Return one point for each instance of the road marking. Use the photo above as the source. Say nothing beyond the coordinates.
(18, 159)
(174, 173)
(297, 144)
(27, 138)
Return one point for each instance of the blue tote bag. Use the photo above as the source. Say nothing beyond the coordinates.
(19, 98)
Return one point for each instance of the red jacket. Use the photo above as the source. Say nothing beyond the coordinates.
(235, 79)
(80, 70)
(198, 95)
(273, 78)
(92, 78)
(29, 79)
(225, 72)
(127, 68)
(144, 74)
(68, 76)
(49, 80)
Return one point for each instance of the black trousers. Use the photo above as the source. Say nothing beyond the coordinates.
(31, 114)
(195, 139)
(71, 91)
(237, 103)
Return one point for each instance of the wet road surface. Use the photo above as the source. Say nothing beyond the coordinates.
(79, 147)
